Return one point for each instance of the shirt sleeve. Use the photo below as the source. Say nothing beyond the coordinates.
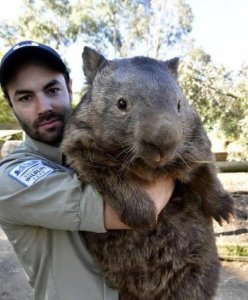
(57, 201)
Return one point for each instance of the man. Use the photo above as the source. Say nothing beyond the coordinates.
(43, 206)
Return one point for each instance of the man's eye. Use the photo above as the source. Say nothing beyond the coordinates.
(25, 98)
(53, 91)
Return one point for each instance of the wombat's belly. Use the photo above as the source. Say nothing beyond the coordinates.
(177, 260)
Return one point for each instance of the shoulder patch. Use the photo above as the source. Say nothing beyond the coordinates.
(30, 172)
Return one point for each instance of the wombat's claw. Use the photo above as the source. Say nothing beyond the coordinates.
(140, 215)
(219, 220)
(227, 218)
(143, 225)
(141, 222)
(225, 212)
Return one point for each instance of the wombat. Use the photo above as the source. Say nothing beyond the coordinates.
(134, 125)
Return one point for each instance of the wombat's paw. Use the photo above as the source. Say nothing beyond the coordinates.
(141, 215)
(225, 209)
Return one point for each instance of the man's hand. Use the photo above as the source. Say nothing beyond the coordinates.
(160, 193)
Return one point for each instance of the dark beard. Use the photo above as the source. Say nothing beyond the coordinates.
(47, 116)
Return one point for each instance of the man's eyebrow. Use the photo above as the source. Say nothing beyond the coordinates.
(19, 92)
(51, 83)
(47, 86)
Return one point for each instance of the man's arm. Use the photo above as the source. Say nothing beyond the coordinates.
(59, 201)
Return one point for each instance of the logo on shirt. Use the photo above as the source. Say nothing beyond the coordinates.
(31, 171)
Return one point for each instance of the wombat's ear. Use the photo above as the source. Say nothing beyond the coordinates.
(173, 65)
(92, 61)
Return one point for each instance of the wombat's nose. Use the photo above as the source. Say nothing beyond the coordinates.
(159, 136)
(156, 155)
(152, 151)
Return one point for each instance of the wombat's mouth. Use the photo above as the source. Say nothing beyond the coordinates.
(155, 157)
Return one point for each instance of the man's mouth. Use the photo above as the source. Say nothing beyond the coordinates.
(49, 123)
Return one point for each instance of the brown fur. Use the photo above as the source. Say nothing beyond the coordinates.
(135, 125)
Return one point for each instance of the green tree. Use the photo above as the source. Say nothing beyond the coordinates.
(141, 27)
(220, 96)
(55, 22)
(6, 115)
(150, 27)
(114, 26)
(119, 25)
(238, 114)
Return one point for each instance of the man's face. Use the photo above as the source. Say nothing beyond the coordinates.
(41, 101)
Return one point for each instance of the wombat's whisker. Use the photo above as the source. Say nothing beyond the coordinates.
(192, 159)
(127, 162)
(132, 154)
(203, 161)
(135, 154)
(127, 159)
(182, 159)
(187, 155)
(187, 143)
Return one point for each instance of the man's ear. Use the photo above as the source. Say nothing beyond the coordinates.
(69, 86)
(92, 62)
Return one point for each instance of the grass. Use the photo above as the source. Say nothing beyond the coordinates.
(228, 251)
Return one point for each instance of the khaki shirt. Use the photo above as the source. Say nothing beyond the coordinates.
(42, 207)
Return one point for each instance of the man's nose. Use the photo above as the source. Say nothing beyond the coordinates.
(43, 104)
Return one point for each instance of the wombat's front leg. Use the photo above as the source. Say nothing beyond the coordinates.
(217, 202)
(134, 207)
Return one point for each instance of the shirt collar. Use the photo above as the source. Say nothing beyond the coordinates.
(51, 152)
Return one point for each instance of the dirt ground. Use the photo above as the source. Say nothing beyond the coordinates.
(234, 274)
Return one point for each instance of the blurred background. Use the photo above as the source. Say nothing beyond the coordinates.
(209, 37)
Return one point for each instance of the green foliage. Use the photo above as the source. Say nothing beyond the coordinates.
(230, 250)
(219, 96)
(139, 27)
(110, 26)
(149, 25)
(6, 115)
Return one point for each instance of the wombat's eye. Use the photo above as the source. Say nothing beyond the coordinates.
(122, 104)
(179, 106)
